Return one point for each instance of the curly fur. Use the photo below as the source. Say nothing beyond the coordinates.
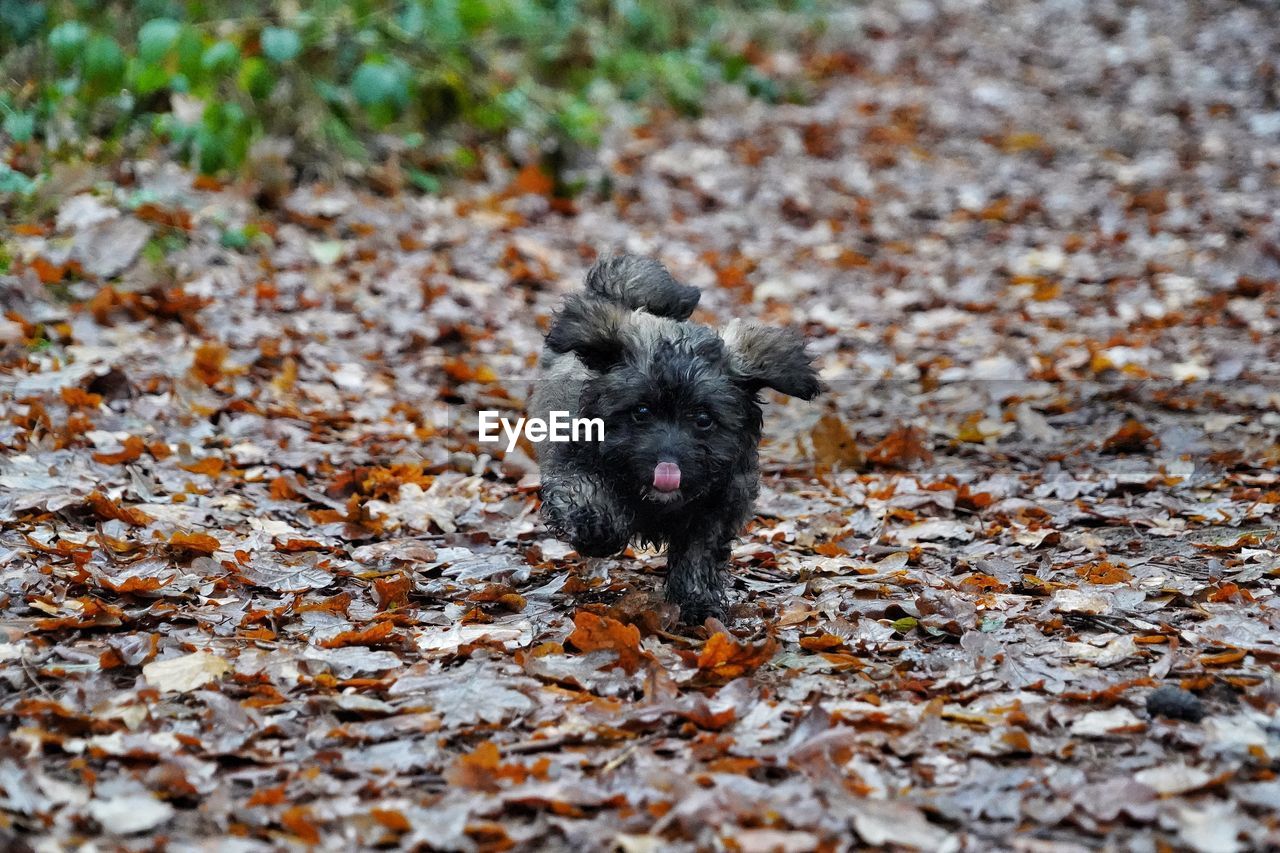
(668, 390)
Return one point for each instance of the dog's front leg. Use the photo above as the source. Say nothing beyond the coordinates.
(696, 574)
(583, 511)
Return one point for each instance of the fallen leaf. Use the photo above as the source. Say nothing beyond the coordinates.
(130, 814)
(186, 673)
(723, 658)
(593, 633)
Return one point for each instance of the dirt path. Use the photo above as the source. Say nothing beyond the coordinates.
(261, 586)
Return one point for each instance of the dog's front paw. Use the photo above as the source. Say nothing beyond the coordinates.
(594, 533)
(696, 612)
(696, 606)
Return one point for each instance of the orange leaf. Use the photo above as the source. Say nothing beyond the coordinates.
(333, 604)
(532, 180)
(391, 592)
(267, 797)
(834, 445)
(133, 447)
(1104, 572)
(210, 466)
(293, 546)
(477, 769)
(593, 633)
(391, 819)
(723, 658)
(80, 398)
(107, 509)
(49, 272)
(1133, 437)
(900, 448)
(482, 769)
(196, 543)
(135, 584)
(207, 366)
(1223, 658)
(377, 634)
(178, 218)
(819, 642)
(282, 490)
(298, 821)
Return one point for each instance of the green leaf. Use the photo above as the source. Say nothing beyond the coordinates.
(104, 63)
(256, 77)
(21, 20)
(66, 41)
(190, 53)
(235, 239)
(280, 45)
(156, 38)
(382, 89)
(220, 57)
(209, 157)
(20, 126)
(905, 624)
(14, 182)
(146, 79)
(425, 181)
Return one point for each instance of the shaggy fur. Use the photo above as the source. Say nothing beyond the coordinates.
(671, 393)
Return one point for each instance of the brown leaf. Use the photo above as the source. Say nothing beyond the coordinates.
(834, 445)
(194, 543)
(107, 509)
(392, 592)
(1104, 572)
(1132, 437)
(210, 466)
(391, 819)
(208, 364)
(298, 821)
(901, 448)
(80, 398)
(132, 450)
(532, 180)
(377, 634)
(596, 633)
(723, 658)
(482, 769)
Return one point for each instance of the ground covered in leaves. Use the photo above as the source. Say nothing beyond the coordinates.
(260, 586)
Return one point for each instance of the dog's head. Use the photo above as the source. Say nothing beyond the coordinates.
(678, 401)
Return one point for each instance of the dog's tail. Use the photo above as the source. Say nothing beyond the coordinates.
(636, 282)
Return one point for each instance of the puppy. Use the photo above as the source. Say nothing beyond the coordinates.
(678, 463)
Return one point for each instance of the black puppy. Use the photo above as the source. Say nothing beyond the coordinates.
(678, 462)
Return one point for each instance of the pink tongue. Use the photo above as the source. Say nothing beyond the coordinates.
(666, 477)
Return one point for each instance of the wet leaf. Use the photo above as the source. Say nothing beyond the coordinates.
(186, 673)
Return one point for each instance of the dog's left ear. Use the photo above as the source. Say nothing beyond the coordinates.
(768, 357)
(593, 329)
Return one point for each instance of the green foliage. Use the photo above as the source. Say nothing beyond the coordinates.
(156, 38)
(280, 45)
(382, 88)
(209, 78)
(66, 41)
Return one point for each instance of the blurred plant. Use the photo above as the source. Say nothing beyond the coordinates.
(353, 80)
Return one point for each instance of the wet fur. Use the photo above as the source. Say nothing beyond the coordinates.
(625, 342)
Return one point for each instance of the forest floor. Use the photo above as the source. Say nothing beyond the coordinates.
(260, 585)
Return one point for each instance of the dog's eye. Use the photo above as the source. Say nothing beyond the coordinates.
(641, 414)
(703, 421)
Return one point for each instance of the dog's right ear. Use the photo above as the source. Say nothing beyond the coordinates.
(768, 357)
(592, 329)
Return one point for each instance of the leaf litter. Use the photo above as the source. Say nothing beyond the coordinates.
(1012, 583)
